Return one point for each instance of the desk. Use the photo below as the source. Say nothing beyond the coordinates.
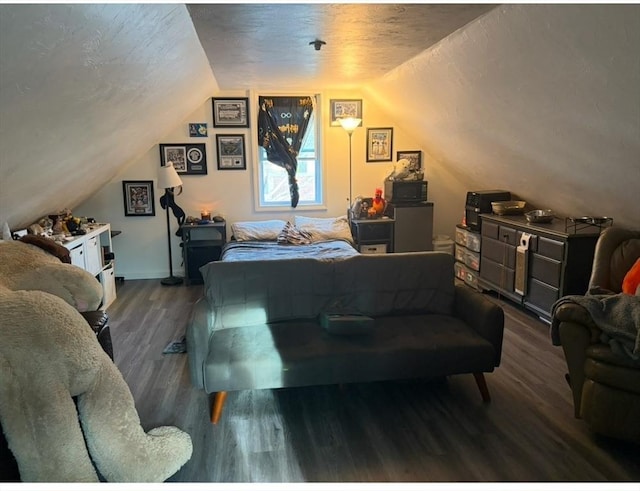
(201, 243)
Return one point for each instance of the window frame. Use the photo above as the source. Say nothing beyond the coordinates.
(320, 167)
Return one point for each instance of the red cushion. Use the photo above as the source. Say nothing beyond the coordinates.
(632, 279)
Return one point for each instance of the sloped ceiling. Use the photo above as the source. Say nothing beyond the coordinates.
(84, 91)
(542, 100)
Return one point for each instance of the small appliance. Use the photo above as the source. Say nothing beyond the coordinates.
(405, 191)
(480, 202)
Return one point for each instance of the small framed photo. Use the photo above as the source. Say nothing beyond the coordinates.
(197, 130)
(138, 198)
(187, 158)
(231, 154)
(413, 156)
(345, 108)
(379, 144)
(230, 113)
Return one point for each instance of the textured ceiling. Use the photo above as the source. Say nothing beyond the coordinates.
(267, 45)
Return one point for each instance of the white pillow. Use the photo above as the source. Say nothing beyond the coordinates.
(325, 228)
(259, 230)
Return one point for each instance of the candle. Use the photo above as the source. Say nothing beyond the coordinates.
(205, 215)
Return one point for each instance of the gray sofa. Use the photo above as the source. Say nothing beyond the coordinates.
(258, 324)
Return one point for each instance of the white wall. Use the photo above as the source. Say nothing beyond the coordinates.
(141, 250)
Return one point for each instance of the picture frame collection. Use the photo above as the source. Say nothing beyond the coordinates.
(233, 112)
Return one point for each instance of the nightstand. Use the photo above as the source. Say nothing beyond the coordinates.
(201, 244)
(374, 235)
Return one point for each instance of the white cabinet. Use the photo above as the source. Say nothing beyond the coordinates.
(89, 251)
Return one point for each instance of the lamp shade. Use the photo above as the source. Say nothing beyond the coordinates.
(349, 124)
(168, 177)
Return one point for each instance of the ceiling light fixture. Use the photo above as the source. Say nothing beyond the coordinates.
(317, 44)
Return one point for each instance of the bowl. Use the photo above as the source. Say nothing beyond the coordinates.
(508, 207)
(539, 216)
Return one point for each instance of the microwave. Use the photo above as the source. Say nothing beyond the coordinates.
(480, 202)
(405, 191)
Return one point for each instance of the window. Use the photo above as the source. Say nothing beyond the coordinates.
(273, 182)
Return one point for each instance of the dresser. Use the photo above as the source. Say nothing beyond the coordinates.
(535, 264)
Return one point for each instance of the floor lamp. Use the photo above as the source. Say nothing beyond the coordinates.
(168, 179)
(349, 125)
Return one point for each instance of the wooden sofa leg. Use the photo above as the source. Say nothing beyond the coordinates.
(216, 409)
(482, 385)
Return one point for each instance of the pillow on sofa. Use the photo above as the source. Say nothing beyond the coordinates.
(258, 230)
(290, 234)
(631, 282)
(325, 228)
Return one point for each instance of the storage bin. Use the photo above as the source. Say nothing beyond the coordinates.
(460, 253)
(460, 271)
(461, 236)
(442, 243)
(108, 281)
(373, 249)
(472, 241)
(472, 259)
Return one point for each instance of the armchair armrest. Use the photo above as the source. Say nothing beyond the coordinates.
(482, 315)
(198, 332)
(574, 330)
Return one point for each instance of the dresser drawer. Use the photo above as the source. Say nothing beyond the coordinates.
(497, 274)
(545, 270)
(541, 295)
(550, 248)
(490, 229)
(499, 252)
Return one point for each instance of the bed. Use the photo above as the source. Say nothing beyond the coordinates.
(323, 239)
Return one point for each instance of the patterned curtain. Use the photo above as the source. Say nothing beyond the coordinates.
(282, 124)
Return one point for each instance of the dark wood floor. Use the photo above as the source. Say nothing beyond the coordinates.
(420, 431)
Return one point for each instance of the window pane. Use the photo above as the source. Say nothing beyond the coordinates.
(274, 181)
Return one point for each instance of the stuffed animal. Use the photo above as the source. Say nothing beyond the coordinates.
(48, 355)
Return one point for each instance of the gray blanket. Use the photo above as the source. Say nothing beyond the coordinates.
(617, 316)
(254, 250)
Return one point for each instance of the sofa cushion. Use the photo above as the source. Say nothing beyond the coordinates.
(255, 292)
(299, 353)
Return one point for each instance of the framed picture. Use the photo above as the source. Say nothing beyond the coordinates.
(345, 108)
(413, 156)
(187, 158)
(231, 155)
(138, 198)
(379, 144)
(197, 130)
(230, 113)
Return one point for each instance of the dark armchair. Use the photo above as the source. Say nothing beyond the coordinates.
(605, 383)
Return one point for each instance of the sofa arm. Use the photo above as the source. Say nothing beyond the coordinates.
(198, 332)
(482, 315)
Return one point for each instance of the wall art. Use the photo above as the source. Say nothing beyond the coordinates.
(231, 153)
(197, 130)
(345, 108)
(413, 156)
(230, 112)
(138, 198)
(379, 144)
(187, 158)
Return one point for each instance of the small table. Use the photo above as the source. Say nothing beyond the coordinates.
(201, 243)
(373, 235)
